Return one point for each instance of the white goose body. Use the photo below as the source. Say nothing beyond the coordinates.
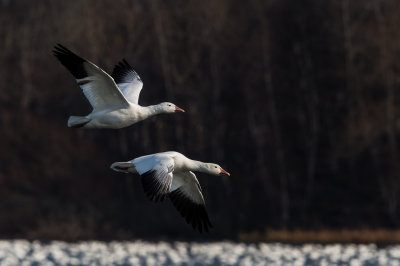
(170, 174)
(114, 98)
(119, 118)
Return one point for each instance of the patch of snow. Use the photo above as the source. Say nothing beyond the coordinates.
(22, 252)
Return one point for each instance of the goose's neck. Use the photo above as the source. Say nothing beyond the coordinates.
(197, 166)
(152, 110)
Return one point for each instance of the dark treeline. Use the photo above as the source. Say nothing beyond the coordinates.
(299, 100)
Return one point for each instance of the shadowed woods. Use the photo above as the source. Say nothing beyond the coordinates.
(299, 102)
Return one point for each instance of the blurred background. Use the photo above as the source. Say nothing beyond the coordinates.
(298, 100)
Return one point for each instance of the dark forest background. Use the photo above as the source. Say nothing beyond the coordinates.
(298, 100)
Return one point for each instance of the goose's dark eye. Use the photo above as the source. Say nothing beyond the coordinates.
(215, 167)
(169, 105)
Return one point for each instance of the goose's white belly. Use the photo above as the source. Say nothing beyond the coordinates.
(115, 119)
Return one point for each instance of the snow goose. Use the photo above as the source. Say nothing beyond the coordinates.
(114, 99)
(170, 174)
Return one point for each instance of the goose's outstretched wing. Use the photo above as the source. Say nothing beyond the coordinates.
(187, 198)
(156, 172)
(128, 81)
(98, 87)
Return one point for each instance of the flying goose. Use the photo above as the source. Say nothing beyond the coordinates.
(169, 174)
(114, 98)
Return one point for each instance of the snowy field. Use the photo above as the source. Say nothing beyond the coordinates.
(21, 252)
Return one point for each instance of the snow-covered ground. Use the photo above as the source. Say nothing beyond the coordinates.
(21, 252)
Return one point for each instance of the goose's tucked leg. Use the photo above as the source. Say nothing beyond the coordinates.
(78, 121)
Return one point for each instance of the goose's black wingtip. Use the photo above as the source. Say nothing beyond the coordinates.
(59, 48)
(70, 60)
(126, 63)
(195, 214)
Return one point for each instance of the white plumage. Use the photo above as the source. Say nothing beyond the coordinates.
(128, 81)
(169, 174)
(114, 99)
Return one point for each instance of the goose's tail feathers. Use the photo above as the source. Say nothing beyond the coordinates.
(124, 167)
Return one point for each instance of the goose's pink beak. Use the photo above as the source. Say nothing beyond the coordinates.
(223, 172)
(179, 109)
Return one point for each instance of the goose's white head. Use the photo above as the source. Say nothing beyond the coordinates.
(215, 169)
(169, 108)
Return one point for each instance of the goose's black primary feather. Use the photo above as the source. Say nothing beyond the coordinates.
(124, 73)
(71, 61)
(194, 213)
